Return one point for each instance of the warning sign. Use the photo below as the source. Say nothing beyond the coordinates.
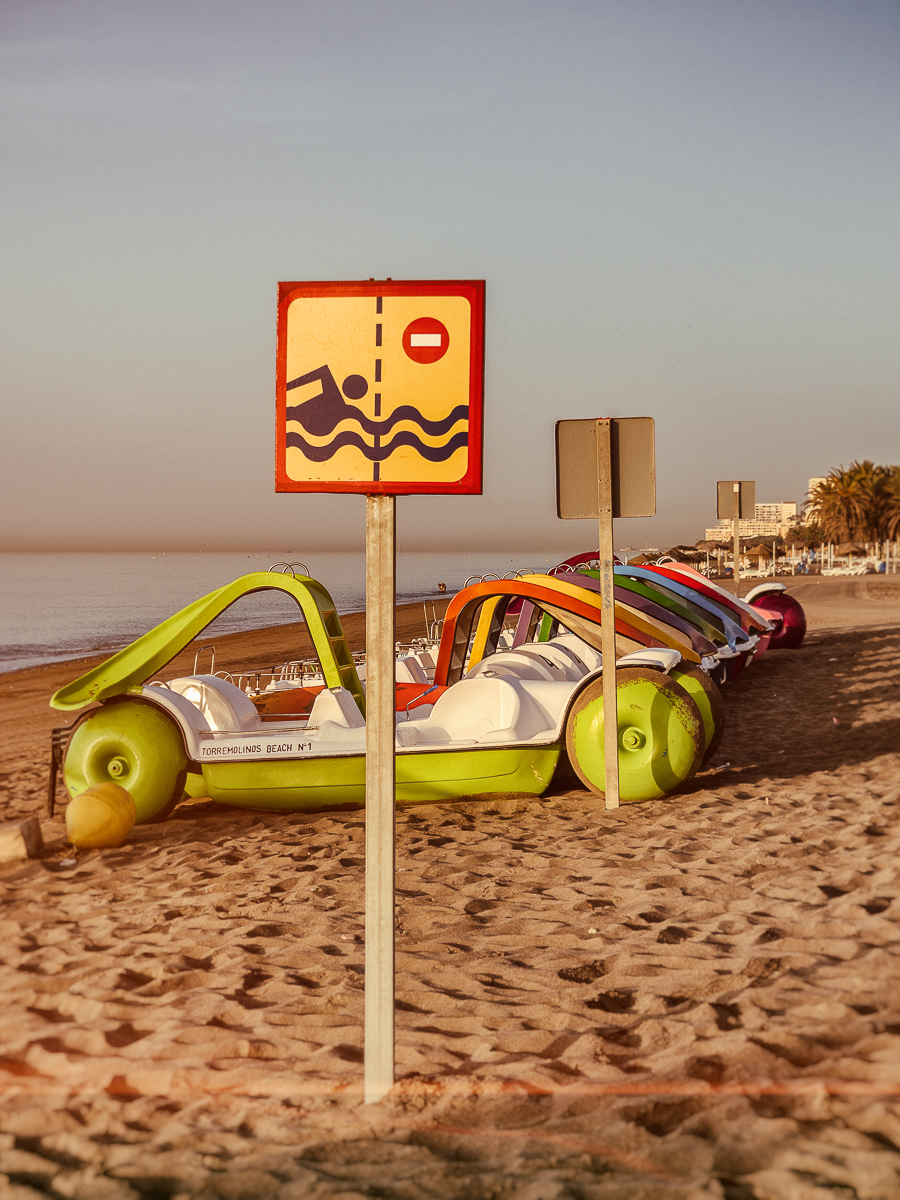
(379, 387)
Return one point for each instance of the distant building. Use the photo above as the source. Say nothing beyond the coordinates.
(813, 482)
(768, 521)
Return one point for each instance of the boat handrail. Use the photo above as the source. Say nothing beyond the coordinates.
(433, 624)
(285, 567)
(212, 664)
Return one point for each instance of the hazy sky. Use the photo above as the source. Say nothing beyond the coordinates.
(684, 209)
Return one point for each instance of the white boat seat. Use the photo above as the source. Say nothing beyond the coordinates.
(485, 709)
(660, 658)
(559, 655)
(224, 705)
(336, 715)
(409, 670)
(764, 589)
(521, 663)
(591, 658)
(426, 662)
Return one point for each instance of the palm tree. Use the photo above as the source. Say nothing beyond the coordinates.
(892, 506)
(836, 504)
(859, 503)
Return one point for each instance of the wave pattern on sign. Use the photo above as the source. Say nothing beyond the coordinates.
(322, 414)
(378, 453)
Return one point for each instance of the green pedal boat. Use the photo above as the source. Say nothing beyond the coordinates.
(491, 719)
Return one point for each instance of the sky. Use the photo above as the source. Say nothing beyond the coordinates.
(682, 209)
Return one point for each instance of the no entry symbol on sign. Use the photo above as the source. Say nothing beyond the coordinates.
(426, 340)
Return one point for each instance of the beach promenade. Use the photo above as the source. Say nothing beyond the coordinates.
(683, 999)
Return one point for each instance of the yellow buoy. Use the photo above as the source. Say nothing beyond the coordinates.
(100, 816)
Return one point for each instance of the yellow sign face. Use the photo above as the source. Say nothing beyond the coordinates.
(379, 387)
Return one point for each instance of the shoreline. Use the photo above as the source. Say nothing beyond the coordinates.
(93, 657)
(405, 621)
(818, 592)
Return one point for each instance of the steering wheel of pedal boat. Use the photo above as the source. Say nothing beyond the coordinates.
(131, 743)
(661, 735)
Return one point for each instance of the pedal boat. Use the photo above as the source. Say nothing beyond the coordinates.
(500, 711)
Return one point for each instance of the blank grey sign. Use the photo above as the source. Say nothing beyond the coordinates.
(576, 469)
(725, 506)
(632, 442)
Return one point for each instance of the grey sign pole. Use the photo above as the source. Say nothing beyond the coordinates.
(736, 535)
(380, 796)
(736, 499)
(608, 610)
(606, 468)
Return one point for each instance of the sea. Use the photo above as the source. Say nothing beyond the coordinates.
(63, 605)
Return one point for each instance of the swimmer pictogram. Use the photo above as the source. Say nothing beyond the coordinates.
(321, 416)
(407, 415)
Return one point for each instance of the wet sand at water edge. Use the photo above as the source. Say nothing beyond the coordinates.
(688, 998)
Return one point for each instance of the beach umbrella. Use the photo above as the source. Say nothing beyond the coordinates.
(688, 554)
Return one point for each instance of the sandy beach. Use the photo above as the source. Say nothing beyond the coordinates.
(690, 998)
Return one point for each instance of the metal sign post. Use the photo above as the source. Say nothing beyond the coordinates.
(736, 535)
(380, 796)
(608, 609)
(606, 468)
(736, 498)
(379, 392)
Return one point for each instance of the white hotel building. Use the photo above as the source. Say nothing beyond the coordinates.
(769, 520)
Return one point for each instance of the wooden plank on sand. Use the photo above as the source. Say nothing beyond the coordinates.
(20, 839)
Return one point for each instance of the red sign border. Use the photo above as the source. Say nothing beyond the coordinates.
(473, 291)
